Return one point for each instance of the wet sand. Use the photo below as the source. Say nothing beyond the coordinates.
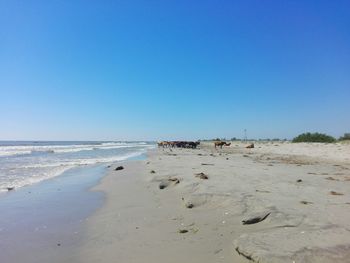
(304, 189)
(44, 222)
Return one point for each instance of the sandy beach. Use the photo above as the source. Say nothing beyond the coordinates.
(188, 205)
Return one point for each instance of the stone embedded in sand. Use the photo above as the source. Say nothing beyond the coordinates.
(174, 180)
(119, 168)
(202, 176)
(189, 205)
(163, 184)
(10, 188)
(152, 172)
(183, 231)
(255, 220)
(299, 181)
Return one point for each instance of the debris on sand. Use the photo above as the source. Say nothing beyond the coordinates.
(255, 220)
(262, 191)
(183, 231)
(152, 172)
(165, 183)
(306, 202)
(335, 193)
(175, 180)
(331, 178)
(202, 176)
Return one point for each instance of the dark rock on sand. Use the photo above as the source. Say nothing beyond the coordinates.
(119, 168)
(183, 231)
(163, 185)
(189, 205)
(299, 181)
(255, 220)
(152, 172)
(10, 188)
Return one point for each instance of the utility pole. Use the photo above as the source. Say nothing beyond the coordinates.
(245, 135)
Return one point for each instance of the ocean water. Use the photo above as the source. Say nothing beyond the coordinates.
(27, 163)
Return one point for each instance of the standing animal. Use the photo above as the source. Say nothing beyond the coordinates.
(220, 144)
(192, 145)
(163, 144)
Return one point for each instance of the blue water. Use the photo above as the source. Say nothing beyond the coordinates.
(25, 163)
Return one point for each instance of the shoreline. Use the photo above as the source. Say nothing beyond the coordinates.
(43, 222)
(139, 222)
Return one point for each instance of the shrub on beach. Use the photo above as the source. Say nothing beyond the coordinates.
(345, 137)
(314, 137)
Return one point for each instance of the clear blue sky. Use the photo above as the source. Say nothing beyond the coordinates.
(101, 70)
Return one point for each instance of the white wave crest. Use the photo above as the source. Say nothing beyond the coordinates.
(44, 171)
(6, 151)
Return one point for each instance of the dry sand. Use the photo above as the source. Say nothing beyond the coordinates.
(304, 187)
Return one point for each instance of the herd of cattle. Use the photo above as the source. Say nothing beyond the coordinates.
(178, 144)
(190, 144)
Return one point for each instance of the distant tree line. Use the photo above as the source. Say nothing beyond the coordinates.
(319, 137)
(304, 137)
(345, 137)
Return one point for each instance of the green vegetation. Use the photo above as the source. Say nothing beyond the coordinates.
(345, 137)
(314, 137)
